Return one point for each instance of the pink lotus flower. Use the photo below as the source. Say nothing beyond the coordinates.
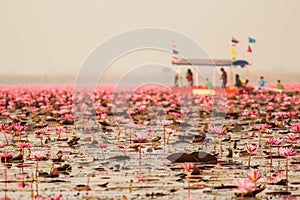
(49, 118)
(165, 122)
(287, 151)
(169, 131)
(13, 117)
(223, 132)
(38, 155)
(250, 147)
(130, 125)
(40, 132)
(244, 186)
(278, 141)
(282, 114)
(269, 141)
(292, 136)
(2, 144)
(5, 127)
(215, 129)
(255, 105)
(18, 127)
(246, 113)
(23, 144)
(60, 129)
(271, 179)
(6, 154)
(263, 112)
(142, 108)
(293, 113)
(296, 127)
(187, 166)
(88, 128)
(141, 137)
(130, 112)
(253, 175)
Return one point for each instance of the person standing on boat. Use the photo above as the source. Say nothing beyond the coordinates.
(223, 78)
(279, 85)
(238, 82)
(177, 79)
(261, 82)
(208, 84)
(189, 77)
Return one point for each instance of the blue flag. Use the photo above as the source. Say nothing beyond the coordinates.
(175, 51)
(234, 40)
(252, 40)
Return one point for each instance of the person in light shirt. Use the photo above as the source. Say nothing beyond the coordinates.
(261, 82)
(208, 84)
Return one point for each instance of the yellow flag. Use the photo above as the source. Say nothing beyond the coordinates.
(232, 51)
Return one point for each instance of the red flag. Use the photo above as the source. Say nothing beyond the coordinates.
(249, 50)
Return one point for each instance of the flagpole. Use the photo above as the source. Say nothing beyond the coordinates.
(247, 68)
(197, 77)
(249, 50)
(214, 76)
(180, 79)
(230, 46)
(232, 53)
(248, 59)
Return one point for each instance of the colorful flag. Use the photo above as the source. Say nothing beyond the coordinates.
(251, 40)
(234, 40)
(249, 50)
(175, 56)
(233, 51)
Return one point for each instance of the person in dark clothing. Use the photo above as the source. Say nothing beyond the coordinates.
(238, 82)
(177, 79)
(223, 78)
(189, 77)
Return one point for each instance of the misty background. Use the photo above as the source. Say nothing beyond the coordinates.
(47, 41)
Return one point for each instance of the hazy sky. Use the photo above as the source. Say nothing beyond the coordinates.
(57, 35)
